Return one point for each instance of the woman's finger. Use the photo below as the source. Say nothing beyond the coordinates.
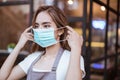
(69, 28)
(26, 30)
(30, 38)
(30, 34)
(81, 38)
(67, 37)
(69, 32)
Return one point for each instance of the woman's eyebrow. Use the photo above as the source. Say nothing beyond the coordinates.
(46, 23)
(36, 23)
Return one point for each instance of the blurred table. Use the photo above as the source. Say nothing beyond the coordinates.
(4, 54)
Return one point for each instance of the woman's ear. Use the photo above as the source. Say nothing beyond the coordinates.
(60, 32)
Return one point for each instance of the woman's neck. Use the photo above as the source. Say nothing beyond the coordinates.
(52, 50)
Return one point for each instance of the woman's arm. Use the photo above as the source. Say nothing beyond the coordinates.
(74, 72)
(75, 42)
(7, 66)
(16, 74)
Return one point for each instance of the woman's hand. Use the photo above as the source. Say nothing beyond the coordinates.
(9, 62)
(25, 36)
(75, 41)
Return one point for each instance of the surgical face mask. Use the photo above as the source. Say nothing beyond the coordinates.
(45, 37)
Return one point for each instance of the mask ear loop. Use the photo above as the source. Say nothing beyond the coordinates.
(62, 40)
(59, 29)
(60, 34)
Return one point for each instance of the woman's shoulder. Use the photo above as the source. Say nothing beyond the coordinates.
(66, 52)
(31, 57)
(65, 61)
(25, 64)
(34, 54)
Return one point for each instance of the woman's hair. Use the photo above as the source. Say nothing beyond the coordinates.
(59, 19)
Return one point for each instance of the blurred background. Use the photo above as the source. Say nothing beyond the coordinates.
(98, 21)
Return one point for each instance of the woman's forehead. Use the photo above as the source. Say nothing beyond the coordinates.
(43, 17)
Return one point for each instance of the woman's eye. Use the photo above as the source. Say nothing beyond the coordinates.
(47, 26)
(36, 26)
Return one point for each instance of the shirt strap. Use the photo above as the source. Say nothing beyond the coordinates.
(57, 59)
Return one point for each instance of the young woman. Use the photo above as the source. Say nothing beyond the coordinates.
(56, 50)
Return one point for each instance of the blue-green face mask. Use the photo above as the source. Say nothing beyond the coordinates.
(45, 37)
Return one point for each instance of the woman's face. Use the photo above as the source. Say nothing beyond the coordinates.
(44, 21)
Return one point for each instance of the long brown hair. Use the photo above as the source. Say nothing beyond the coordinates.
(60, 20)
